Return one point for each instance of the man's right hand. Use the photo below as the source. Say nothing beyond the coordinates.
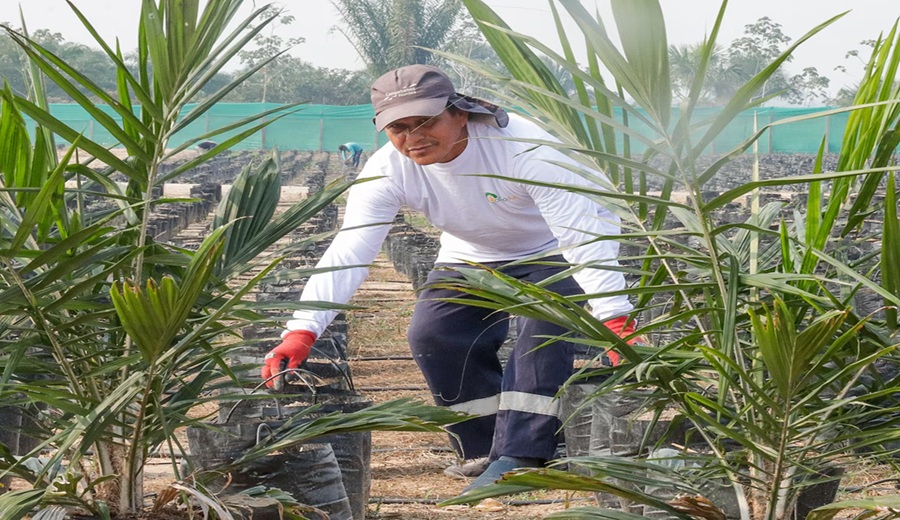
(624, 327)
(291, 353)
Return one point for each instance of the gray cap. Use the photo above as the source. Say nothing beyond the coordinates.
(425, 91)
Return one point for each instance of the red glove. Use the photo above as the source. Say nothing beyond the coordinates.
(623, 329)
(291, 353)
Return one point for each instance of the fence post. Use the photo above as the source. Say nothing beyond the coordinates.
(771, 129)
(827, 133)
(321, 133)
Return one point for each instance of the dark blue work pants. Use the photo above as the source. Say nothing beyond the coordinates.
(456, 347)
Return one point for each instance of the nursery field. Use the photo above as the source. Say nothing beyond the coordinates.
(407, 479)
(407, 469)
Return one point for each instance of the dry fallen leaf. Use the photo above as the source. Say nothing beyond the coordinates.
(489, 505)
(697, 506)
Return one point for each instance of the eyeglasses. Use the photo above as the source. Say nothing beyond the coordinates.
(423, 123)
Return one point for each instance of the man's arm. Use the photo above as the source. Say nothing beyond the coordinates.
(577, 221)
(350, 247)
(367, 220)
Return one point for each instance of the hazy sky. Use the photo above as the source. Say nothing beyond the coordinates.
(686, 20)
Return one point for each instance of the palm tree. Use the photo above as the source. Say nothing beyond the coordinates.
(392, 33)
(468, 43)
(722, 78)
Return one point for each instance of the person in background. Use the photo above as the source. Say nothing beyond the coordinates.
(442, 146)
(351, 153)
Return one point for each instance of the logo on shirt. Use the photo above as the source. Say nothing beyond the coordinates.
(493, 197)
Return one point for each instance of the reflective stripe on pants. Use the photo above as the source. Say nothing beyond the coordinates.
(456, 346)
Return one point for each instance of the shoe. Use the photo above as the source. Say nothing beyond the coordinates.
(496, 469)
(467, 469)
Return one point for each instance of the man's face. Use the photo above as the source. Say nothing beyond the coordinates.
(430, 140)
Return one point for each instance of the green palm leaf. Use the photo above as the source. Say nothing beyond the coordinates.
(890, 252)
(153, 315)
(525, 66)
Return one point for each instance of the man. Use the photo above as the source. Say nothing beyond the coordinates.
(442, 144)
(351, 153)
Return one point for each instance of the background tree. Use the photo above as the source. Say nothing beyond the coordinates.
(807, 87)
(730, 68)
(762, 39)
(391, 33)
(270, 46)
(326, 86)
(722, 79)
(468, 42)
(845, 95)
(301, 82)
(13, 63)
(13, 66)
(11, 71)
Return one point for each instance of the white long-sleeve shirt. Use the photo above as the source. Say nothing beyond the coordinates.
(482, 219)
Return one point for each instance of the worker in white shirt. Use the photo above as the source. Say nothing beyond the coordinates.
(468, 167)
